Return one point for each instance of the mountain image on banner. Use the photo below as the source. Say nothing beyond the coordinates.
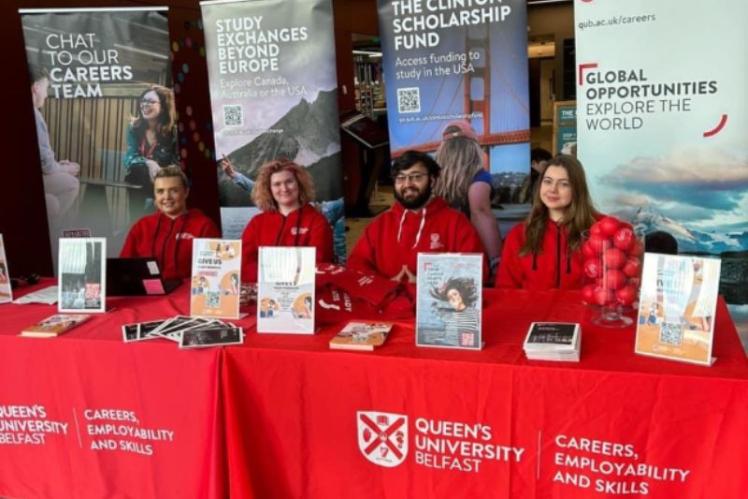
(690, 240)
(727, 244)
(306, 134)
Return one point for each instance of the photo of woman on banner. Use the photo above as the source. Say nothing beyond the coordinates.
(151, 145)
(283, 192)
(61, 185)
(466, 185)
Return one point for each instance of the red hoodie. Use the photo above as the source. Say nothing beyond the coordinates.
(554, 267)
(396, 237)
(303, 227)
(168, 240)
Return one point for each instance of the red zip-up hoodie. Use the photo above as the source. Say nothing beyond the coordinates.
(303, 227)
(396, 237)
(168, 240)
(554, 267)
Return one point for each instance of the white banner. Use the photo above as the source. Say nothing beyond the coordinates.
(662, 123)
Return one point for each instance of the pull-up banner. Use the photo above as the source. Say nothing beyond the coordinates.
(105, 116)
(446, 61)
(662, 124)
(271, 69)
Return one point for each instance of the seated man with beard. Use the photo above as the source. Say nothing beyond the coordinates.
(418, 222)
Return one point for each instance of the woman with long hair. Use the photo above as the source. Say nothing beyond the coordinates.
(151, 144)
(466, 185)
(544, 252)
(283, 192)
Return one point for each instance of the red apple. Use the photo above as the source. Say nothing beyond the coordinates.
(592, 268)
(623, 238)
(596, 229)
(588, 294)
(609, 226)
(635, 282)
(614, 258)
(636, 249)
(604, 296)
(598, 243)
(632, 267)
(614, 279)
(626, 295)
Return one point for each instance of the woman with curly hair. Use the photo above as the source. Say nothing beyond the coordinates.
(544, 252)
(151, 144)
(283, 192)
(460, 316)
(466, 185)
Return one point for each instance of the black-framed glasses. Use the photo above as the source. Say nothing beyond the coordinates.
(413, 177)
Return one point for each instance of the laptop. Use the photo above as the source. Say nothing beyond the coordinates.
(136, 277)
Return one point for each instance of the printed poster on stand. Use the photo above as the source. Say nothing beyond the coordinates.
(215, 288)
(273, 90)
(6, 290)
(677, 307)
(285, 290)
(449, 300)
(81, 280)
(105, 115)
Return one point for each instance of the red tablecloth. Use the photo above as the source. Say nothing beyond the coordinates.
(151, 411)
(303, 421)
(295, 419)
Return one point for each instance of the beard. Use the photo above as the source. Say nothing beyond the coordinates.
(414, 202)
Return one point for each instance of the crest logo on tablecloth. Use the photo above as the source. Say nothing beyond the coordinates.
(382, 437)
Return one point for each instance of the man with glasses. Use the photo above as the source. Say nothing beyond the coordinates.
(418, 222)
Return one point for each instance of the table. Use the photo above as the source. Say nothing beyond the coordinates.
(304, 421)
(86, 415)
(284, 416)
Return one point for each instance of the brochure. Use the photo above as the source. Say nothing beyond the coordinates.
(215, 284)
(677, 307)
(448, 306)
(553, 341)
(361, 336)
(54, 325)
(285, 290)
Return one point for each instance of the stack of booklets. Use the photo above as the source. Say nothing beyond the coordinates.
(553, 341)
(361, 336)
(54, 325)
(189, 332)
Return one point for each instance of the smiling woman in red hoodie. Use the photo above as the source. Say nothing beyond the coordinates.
(283, 191)
(544, 252)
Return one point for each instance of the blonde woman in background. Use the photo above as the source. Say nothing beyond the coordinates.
(466, 185)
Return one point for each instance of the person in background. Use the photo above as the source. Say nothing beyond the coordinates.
(538, 159)
(417, 222)
(235, 175)
(544, 252)
(167, 234)
(151, 144)
(283, 192)
(465, 185)
(61, 186)
(660, 241)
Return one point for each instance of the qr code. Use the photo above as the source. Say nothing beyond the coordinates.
(409, 100)
(212, 299)
(233, 115)
(467, 339)
(671, 333)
